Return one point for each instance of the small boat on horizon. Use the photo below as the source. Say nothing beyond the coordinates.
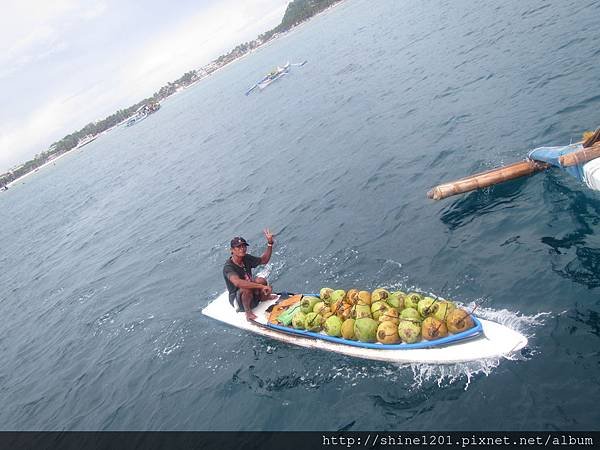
(274, 75)
(86, 140)
(142, 112)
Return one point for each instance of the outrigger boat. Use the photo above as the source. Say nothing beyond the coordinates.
(86, 140)
(274, 75)
(580, 160)
(143, 112)
(486, 340)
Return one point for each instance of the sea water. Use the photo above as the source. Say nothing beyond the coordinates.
(108, 255)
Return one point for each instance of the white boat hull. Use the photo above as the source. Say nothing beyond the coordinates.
(496, 341)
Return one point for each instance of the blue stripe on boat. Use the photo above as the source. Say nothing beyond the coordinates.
(448, 340)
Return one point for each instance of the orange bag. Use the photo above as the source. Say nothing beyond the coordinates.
(282, 306)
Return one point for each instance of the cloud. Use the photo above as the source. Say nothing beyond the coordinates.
(20, 22)
(90, 12)
(44, 30)
(46, 121)
(38, 45)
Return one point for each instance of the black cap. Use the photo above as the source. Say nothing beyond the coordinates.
(237, 241)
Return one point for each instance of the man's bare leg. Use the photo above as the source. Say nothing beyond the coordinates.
(262, 296)
(247, 295)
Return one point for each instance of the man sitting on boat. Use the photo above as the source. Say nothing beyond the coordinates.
(245, 292)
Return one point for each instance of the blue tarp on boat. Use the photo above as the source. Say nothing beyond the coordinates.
(588, 173)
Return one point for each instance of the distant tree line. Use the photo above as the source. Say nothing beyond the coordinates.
(70, 141)
(300, 10)
(297, 11)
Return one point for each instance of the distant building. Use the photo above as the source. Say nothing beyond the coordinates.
(209, 68)
(14, 169)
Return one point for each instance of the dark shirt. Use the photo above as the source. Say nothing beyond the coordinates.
(245, 273)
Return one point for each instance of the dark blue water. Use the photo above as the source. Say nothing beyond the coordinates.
(108, 256)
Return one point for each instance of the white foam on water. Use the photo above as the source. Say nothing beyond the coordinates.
(524, 324)
(172, 338)
(446, 374)
(275, 267)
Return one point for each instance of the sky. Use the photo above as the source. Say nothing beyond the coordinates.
(66, 63)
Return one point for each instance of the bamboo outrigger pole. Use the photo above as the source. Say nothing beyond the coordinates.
(590, 150)
(488, 178)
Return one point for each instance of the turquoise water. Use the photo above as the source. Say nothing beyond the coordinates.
(109, 255)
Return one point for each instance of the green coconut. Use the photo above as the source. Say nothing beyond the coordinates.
(320, 307)
(412, 300)
(298, 320)
(433, 328)
(333, 326)
(409, 331)
(338, 294)
(325, 294)
(444, 308)
(307, 304)
(428, 306)
(378, 308)
(459, 320)
(396, 299)
(313, 322)
(379, 294)
(365, 329)
(387, 333)
(361, 311)
(411, 314)
(348, 329)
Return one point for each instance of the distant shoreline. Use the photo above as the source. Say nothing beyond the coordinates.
(38, 168)
(182, 88)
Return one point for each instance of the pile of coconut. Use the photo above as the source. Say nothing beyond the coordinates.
(380, 316)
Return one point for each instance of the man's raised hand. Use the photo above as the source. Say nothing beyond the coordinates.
(268, 235)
